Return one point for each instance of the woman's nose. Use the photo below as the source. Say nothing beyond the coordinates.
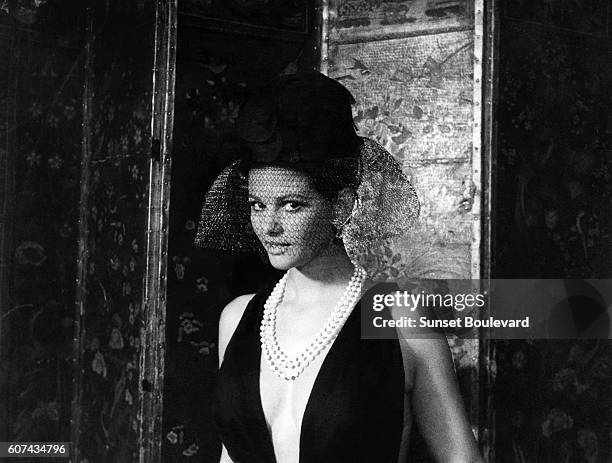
(273, 225)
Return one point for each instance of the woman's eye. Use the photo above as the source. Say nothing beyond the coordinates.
(256, 206)
(292, 206)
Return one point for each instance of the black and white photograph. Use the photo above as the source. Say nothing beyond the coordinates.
(318, 231)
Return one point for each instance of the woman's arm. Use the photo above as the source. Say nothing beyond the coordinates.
(228, 321)
(436, 401)
(433, 392)
(230, 317)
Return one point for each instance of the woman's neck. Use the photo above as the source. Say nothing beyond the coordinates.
(327, 272)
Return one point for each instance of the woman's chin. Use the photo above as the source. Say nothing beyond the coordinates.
(282, 262)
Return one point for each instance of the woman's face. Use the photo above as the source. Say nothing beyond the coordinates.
(292, 220)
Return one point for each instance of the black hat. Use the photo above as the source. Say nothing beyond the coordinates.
(304, 117)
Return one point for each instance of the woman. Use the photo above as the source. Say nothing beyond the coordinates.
(297, 384)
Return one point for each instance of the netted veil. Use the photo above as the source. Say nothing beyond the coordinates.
(303, 124)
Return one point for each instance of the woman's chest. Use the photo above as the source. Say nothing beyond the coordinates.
(284, 404)
(284, 401)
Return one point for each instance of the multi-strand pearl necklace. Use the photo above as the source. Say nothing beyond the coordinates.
(290, 368)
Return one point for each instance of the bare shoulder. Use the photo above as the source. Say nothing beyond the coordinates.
(425, 343)
(421, 349)
(230, 317)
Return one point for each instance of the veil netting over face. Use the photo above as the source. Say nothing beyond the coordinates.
(302, 123)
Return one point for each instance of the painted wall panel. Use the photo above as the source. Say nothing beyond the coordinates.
(415, 97)
(115, 206)
(359, 20)
(553, 219)
(41, 78)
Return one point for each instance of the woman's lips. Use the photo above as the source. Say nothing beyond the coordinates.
(276, 248)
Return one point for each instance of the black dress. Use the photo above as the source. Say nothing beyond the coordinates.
(354, 413)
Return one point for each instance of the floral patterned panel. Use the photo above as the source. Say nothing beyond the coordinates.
(121, 84)
(41, 152)
(553, 398)
(414, 97)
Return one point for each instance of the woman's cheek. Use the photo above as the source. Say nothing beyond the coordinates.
(258, 224)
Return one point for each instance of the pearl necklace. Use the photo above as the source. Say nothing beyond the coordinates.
(290, 368)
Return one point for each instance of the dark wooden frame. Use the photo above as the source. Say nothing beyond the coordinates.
(151, 368)
(489, 142)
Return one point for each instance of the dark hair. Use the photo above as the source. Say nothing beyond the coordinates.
(329, 178)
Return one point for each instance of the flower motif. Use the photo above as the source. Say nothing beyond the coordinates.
(202, 284)
(518, 360)
(188, 324)
(556, 421)
(124, 143)
(126, 288)
(563, 379)
(32, 158)
(69, 112)
(65, 231)
(53, 120)
(114, 263)
(180, 263)
(36, 109)
(98, 365)
(46, 410)
(116, 340)
(128, 396)
(133, 169)
(30, 252)
(551, 219)
(191, 450)
(172, 437)
(204, 347)
(176, 435)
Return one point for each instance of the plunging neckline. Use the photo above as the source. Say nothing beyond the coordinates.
(261, 417)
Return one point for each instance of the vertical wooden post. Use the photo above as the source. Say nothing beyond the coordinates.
(489, 131)
(154, 295)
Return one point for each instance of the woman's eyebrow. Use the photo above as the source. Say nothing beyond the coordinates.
(294, 196)
(285, 197)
